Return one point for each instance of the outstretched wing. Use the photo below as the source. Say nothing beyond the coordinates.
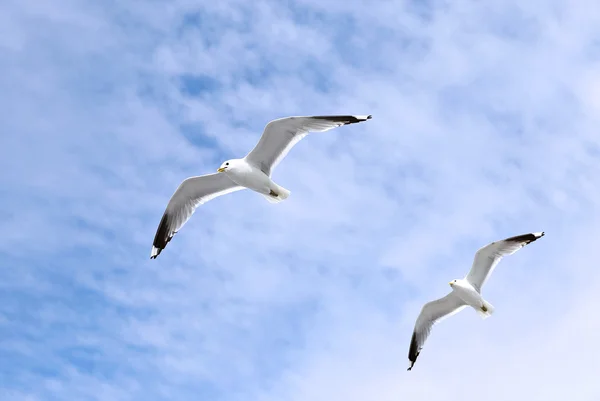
(488, 257)
(190, 194)
(432, 313)
(281, 135)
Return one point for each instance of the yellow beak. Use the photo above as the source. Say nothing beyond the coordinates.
(451, 283)
(220, 169)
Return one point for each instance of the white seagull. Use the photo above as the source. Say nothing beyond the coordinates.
(467, 291)
(252, 172)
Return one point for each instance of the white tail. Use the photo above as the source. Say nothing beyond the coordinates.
(282, 194)
(486, 310)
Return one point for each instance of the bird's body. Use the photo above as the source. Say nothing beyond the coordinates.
(468, 295)
(249, 176)
(252, 172)
(465, 292)
(246, 175)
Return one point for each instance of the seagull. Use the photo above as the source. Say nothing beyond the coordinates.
(252, 172)
(467, 291)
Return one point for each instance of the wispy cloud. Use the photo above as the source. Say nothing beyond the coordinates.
(485, 126)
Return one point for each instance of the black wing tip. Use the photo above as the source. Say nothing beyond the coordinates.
(155, 252)
(412, 362)
(345, 119)
(413, 352)
(526, 238)
(158, 247)
(162, 237)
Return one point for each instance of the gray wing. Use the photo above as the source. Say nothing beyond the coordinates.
(190, 194)
(432, 313)
(281, 135)
(488, 257)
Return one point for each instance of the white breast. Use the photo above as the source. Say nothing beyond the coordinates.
(250, 177)
(467, 293)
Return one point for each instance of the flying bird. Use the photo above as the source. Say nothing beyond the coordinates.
(252, 172)
(466, 292)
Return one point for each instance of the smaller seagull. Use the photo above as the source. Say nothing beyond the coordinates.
(467, 291)
(252, 172)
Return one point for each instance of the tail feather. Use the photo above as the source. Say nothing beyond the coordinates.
(272, 199)
(486, 310)
(282, 194)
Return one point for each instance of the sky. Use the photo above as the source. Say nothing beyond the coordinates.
(485, 125)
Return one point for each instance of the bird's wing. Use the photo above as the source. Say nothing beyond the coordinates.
(488, 257)
(190, 194)
(432, 313)
(281, 135)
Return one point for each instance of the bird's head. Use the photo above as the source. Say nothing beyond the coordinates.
(453, 283)
(227, 165)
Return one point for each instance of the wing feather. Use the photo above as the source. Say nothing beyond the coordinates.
(490, 255)
(432, 313)
(190, 194)
(279, 136)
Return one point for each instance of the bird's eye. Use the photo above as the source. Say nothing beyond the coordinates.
(227, 164)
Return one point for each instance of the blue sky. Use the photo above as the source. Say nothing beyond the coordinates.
(485, 125)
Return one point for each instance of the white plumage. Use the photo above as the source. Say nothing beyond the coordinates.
(465, 292)
(252, 172)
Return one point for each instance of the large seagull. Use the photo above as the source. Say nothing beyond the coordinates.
(467, 291)
(252, 172)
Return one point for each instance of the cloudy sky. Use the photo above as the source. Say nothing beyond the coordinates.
(485, 125)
